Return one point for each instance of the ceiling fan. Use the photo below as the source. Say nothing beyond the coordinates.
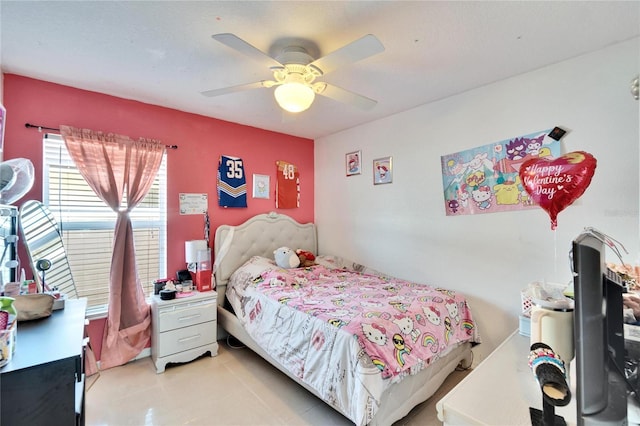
(295, 72)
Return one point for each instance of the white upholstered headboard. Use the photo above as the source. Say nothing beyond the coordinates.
(258, 236)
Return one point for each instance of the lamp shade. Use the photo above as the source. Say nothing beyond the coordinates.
(191, 249)
(294, 96)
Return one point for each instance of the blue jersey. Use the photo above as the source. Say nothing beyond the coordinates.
(232, 185)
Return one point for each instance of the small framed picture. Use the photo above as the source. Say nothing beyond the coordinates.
(353, 163)
(382, 170)
(261, 186)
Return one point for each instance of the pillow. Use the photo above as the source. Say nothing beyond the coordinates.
(255, 266)
(336, 262)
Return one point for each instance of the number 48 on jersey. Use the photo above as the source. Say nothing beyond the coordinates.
(287, 186)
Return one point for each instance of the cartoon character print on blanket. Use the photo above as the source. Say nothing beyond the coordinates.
(400, 325)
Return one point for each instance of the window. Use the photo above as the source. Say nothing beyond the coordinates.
(87, 225)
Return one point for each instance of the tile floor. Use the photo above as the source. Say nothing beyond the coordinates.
(234, 388)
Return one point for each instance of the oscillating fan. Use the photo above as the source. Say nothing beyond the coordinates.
(295, 72)
(16, 179)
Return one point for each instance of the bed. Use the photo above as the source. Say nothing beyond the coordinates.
(371, 371)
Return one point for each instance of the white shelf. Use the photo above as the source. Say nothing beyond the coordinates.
(499, 391)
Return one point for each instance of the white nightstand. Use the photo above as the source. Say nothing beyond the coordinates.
(183, 328)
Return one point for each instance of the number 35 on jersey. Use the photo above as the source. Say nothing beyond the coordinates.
(232, 184)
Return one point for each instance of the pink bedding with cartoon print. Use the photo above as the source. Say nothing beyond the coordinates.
(370, 328)
(400, 325)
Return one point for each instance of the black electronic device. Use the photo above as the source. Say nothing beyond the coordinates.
(600, 383)
(183, 275)
(158, 285)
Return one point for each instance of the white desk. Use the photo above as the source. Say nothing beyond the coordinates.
(499, 391)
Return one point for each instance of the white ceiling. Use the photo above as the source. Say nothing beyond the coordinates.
(162, 53)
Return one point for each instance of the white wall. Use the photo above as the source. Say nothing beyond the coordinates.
(401, 228)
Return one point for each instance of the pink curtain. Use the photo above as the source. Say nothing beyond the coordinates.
(112, 165)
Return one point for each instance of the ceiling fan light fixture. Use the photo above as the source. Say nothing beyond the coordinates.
(294, 96)
(295, 70)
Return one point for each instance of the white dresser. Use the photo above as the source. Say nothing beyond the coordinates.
(183, 328)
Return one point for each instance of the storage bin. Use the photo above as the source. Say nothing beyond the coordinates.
(525, 302)
(525, 326)
(8, 343)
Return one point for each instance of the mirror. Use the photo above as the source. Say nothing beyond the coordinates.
(43, 242)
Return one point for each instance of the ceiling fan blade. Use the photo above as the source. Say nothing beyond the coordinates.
(233, 89)
(355, 51)
(342, 95)
(236, 43)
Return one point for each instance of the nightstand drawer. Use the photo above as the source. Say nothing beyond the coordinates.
(184, 339)
(185, 315)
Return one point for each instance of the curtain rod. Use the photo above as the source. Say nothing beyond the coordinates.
(41, 128)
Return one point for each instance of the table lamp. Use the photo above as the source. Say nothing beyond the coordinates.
(198, 258)
(191, 249)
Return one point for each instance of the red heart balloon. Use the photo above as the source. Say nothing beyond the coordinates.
(554, 184)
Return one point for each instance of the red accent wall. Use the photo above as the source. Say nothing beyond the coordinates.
(192, 167)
